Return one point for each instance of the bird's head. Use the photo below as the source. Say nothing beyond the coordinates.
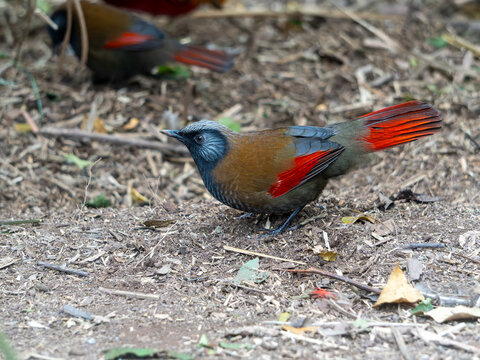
(206, 140)
(59, 17)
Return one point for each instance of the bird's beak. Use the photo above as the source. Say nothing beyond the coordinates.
(173, 133)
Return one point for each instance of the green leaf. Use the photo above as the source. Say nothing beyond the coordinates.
(99, 202)
(438, 42)
(130, 353)
(230, 123)
(172, 71)
(74, 159)
(361, 324)
(44, 5)
(179, 356)
(6, 349)
(203, 342)
(232, 346)
(423, 307)
(250, 272)
(283, 317)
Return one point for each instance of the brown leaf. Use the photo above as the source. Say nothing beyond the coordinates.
(354, 219)
(385, 227)
(131, 124)
(300, 331)
(398, 290)
(460, 312)
(137, 197)
(156, 223)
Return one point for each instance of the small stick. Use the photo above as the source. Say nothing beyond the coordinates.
(335, 276)
(62, 268)
(71, 310)
(401, 343)
(248, 252)
(139, 143)
(20, 222)
(424, 246)
(132, 294)
(472, 259)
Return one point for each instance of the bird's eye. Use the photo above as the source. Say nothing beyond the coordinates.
(199, 139)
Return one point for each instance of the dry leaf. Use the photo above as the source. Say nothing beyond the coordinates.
(22, 128)
(415, 269)
(354, 219)
(300, 331)
(460, 312)
(398, 290)
(328, 255)
(155, 223)
(131, 124)
(137, 197)
(385, 227)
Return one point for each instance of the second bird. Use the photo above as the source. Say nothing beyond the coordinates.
(121, 45)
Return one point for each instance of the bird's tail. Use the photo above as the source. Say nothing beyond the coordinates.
(215, 60)
(399, 124)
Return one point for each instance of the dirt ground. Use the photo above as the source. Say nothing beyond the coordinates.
(301, 70)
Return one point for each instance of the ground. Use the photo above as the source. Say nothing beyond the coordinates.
(302, 70)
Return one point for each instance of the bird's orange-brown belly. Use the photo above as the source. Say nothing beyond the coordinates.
(263, 202)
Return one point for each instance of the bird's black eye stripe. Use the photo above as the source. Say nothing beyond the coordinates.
(199, 139)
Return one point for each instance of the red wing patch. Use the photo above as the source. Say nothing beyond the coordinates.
(305, 167)
(127, 39)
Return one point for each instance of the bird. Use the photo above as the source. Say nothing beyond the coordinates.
(277, 171)
(121, 44)
(171, 8)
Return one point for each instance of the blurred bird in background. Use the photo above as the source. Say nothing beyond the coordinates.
(165, 7)
(282, 170)
(121, 44)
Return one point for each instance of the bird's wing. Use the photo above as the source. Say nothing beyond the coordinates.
(313, 154)
(142, 36)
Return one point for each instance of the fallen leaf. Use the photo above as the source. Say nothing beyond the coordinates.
(99, 126)
(131, 124)
(131, 353)
(137, 197)
(37, 325)
(386, 201)
(328, 255)
(230, 123)
(322, 293)
(423, 307)
(415, 269)
(442, 314)
(300, 331)
(164, 270)
(99, 202)
(203, 342)
(398, 290)
(155, 223)
(250, 272)
(22, 127)
(385, 227)
(283, 317)
(80, 163)
(234, 346)
(354, 219)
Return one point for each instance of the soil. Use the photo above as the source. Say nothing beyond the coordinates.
(288, 70)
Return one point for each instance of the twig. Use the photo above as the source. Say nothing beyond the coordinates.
(460, 42)
(301, 11)
(429, 337)
(62, 268)
(71, 310)
(29, 121)
(248, 252)
(335, 276)
(112, 139)
(424, 246)
(20, 222)
(131, 294)
(46, 18)
(83, 31)
(31, 8)
(401, 343)
(472, 259)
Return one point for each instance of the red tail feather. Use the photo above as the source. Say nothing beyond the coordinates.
(210, 59)
(400, 124)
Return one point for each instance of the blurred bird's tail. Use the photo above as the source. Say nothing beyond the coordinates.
(215, 60)
(399, 124)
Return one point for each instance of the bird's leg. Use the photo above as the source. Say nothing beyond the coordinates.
(285, 224)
